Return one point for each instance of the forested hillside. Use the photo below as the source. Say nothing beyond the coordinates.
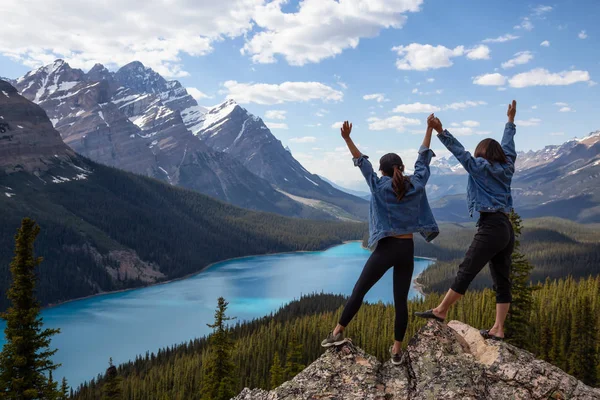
(562, 310)
(556, 247)
(116, 229)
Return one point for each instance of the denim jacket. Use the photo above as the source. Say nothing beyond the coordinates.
(390, 217)
(488, 189)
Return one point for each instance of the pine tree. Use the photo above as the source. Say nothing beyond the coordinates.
(277, 373)
(112, 386)
(219, 370)
(64, 390)
(293, 364)
(583, 357)
(26, 358)
(517, 323)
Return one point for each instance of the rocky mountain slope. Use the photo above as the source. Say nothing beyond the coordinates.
(230, 128)
(136, 120)
(441, 362)
(105, 229)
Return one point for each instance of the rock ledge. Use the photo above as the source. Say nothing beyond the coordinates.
(441, 362)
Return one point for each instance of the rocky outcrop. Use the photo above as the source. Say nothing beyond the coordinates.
(441, 362)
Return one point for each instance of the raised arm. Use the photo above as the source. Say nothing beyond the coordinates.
(508, 139)
(422, 171)
(456, 148)
(359, 159)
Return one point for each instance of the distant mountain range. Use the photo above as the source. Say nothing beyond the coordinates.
(559, 180)
(105, 229)
(135, 120)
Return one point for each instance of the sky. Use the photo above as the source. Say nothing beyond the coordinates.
(305, 66)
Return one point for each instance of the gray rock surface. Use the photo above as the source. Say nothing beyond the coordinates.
(441, 362)
(28, 142)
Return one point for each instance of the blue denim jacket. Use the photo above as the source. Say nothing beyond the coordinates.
(390, 217)
(488, 189)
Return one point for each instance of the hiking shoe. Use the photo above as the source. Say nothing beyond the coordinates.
(396, 358)
(333, 340)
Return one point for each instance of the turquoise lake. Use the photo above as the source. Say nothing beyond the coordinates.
(123, 325)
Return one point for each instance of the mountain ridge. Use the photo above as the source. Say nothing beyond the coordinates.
(136, 120)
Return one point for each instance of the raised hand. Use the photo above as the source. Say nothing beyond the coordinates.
(512, 111)
(434, 123)
(346, 129)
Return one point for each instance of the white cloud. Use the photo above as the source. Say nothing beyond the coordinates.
(565, 109)
(321, 112)
(545, 43)
(337, 125)
(466, 128)
(494, 79)
(543, 77)
(264, 93)
(464, 104)
(116, 32)
(582, 35)
(379, 97)
(541, 9)
(276, 125)
(320, 29)
(501, 39)
(471, 124)
(422, 57)
(415, 108)
(304, 139)
(534, 107)
(276, 114)
(430, 80)
(338, 80)
(197, 94)
(529, 122)
(525, 24)
(396, 122)
(561, 104)
(481, 52)
(522, 57)
(313, 125)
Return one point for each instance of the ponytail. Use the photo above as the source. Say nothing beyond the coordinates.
(399, 182)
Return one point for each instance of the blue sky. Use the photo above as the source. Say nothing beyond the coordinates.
(333, 54)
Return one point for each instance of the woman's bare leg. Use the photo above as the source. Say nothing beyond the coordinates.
(450, 298)
(501, 313)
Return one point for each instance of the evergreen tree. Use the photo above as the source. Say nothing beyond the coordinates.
(219, 369)
(583, 355)
(64, 390)
(26, 358)
(293, 364)
(276, 372)
(112, 385)
(518, 331)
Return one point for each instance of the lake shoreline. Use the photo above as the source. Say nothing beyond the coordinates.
(203, 269)
(417, 286)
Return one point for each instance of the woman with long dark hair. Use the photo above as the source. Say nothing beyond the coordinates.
(399, 207)
(488, 192)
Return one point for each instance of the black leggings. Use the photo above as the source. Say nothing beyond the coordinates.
(390, 252)
(494, 242)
